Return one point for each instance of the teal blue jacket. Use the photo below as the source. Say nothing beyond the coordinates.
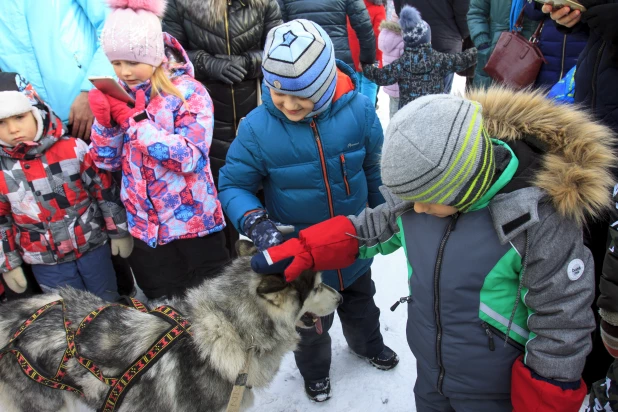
(55, 46)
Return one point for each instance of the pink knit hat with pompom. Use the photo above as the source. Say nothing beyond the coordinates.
(132, 31)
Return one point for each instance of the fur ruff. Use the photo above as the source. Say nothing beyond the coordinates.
(576, 166)
(154, 6)
(390, 25)
(214, 10)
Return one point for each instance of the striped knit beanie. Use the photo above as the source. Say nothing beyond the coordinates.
(414, 30)
(436, 151)
(299, 59)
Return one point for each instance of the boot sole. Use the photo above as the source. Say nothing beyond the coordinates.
(380, 367)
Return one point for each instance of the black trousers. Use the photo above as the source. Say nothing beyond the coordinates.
(169, 270)
(360, 320)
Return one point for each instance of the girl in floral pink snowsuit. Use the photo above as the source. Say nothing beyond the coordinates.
(161, 145)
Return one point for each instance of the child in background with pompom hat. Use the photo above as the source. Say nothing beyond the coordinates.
(421, 70)
(161, 144)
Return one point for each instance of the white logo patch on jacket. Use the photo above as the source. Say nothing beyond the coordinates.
(575, 269)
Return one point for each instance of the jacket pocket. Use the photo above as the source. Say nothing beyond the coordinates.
(493, 334)
(344, 172)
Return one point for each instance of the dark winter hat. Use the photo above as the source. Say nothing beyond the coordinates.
(436, 151)
(299, 59)
(414, 29)
(18, 97)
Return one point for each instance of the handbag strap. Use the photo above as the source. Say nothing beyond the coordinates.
(537, 33)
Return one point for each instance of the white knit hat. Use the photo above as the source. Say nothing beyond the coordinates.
(14, 102)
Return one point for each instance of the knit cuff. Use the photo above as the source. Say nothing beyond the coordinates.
(609, 317)
(482, 39)
(609, 334)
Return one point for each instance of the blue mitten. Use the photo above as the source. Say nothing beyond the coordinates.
(262, 231)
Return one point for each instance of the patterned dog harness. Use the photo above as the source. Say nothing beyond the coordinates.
(179, 329)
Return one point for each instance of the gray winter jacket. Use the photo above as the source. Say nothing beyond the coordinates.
(515, 264)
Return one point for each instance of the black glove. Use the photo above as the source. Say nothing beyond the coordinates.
(224, 70)
(262, 231)
(603, 19)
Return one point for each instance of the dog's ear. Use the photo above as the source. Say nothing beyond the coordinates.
(245, 248)
(271, 284)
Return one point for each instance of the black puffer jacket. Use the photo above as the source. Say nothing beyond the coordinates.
(207, 28)
(331, 16)
(596, 78)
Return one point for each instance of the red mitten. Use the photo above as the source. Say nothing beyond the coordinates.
(532, 393)
(121, 112)
(330, 243)
(324, 246)
(100, 107)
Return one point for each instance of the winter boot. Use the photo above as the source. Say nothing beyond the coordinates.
(318, 390)
(385, 360)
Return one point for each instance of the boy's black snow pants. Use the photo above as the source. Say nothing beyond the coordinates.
(360, 320)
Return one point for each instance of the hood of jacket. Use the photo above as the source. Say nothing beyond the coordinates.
(340, 99)
(53, 129)
(214, 10)
(390, 40)
(576, 151)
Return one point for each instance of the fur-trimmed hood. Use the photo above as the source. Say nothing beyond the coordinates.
(214, 10)
(391, 26)
(575, 169)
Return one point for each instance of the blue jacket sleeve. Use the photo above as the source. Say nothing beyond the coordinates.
(371, 164)
(97, 12)
(240, 178)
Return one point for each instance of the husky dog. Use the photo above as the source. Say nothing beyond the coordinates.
(229, 314)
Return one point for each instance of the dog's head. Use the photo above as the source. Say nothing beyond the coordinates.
(307, 296)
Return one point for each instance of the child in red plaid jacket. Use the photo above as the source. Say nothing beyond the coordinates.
(57, 209)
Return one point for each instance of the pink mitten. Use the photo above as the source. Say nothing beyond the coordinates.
(121, 112)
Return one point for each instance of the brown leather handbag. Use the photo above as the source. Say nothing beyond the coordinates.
(516, 61)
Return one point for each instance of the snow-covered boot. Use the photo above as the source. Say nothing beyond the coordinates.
(318, 390)
(385, 360)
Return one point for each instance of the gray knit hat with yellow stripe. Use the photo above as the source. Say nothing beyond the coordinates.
(436, 151)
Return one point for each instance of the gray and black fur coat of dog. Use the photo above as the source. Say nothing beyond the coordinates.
(229, 314)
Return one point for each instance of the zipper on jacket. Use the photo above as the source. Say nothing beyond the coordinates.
(345, 174)
(436, 298)
(490, 336)
(331, 209)
(229, 53)
(502, 336)
(563, 53)
(400, 301)
(595, 75)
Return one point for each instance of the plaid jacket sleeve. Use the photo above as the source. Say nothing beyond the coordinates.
(9, 253)
(101, 187)
(106, 146)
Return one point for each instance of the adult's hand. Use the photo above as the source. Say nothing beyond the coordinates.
(563, 16)
(81, 117)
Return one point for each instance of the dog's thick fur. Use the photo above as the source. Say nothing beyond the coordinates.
(230, 313)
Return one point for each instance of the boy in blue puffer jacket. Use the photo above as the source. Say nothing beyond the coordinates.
(314, 146)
